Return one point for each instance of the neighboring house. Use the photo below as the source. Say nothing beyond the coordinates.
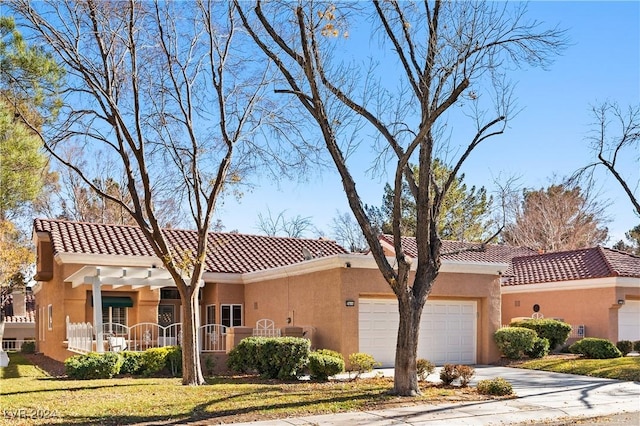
(339, 300)
(597, 288)
(18, 316)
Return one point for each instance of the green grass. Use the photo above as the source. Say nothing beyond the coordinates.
(625, 368)
(26, 391)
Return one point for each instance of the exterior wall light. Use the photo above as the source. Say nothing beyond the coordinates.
(350, 303)
(620, 301)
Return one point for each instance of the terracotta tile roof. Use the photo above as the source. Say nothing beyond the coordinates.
(227, 252)
(595, 262)
(466, 252)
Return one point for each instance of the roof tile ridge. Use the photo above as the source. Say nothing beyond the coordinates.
(613, 272)
(625, 253)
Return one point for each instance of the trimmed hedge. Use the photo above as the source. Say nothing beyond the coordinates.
(272, 357)
(156, 360)
(132, 363)
(592, 347)
(556, 332)
(322, 365)
(93, 366)
(497, 386)
(28, 347)
(625, 346)
(514, 342)
(361, 362)
(540, 348)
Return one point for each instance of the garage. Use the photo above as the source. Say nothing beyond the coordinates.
(629, 320)
(447, 330)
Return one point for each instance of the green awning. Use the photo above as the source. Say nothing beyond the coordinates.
(116, 302)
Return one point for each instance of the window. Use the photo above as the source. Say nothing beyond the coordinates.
(231, 315)
(50, 316)
(114, 314)
(211, 314)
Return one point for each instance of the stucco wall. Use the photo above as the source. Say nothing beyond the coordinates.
(318, 300)
(596, 308)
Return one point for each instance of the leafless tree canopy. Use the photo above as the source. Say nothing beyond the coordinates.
(614, 137)
(172, 97)
(442, 61)
(560, 217)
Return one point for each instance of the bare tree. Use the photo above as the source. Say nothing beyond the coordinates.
(615, 135)
(445, 58)
(347, 232)
(171, 93)
(293, 227)
(560, 217)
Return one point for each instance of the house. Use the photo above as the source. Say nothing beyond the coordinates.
(18, 318)
(90, 274)
(596, 288)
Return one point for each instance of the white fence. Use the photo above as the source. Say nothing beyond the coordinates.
(14, 344)
(79, 337)
(142, 336)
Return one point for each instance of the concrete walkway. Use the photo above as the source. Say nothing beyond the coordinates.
(542, 397)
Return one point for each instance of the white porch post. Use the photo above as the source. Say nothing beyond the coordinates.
(97, 312)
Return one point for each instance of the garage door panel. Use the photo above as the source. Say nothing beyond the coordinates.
(629, 321)
(447, 331)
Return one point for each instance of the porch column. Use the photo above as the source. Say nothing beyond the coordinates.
(97, 312)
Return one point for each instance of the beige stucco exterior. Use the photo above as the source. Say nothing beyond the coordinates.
(310, 294)
(592, 303)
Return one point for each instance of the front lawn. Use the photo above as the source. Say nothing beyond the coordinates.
(29, 396)
(625, 368)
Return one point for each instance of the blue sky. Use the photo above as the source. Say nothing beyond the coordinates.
(547, 138)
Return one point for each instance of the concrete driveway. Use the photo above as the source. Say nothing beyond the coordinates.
(542, 397)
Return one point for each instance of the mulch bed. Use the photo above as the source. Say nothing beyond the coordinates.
(51, 366)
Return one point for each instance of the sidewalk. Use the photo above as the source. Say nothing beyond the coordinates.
(542, 397)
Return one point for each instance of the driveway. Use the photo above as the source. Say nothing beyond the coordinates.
(542, 397)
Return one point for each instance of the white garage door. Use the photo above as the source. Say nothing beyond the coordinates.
(447, 331)
(629, 321)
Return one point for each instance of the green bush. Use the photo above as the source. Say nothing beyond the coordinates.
(497, 386)
(449, 373)
(624, 346)
(330, 352)
(592, 347)
(636, 346)
(322, 366)
(540, 348)
(361, 362)
(28, 347)
(174, 360)
(93, 366)
(513, 342)
(273, 357)
(424, 368)
(209, 365)
(556, 332)
(132, 363)
(154, 360)
(465, 372)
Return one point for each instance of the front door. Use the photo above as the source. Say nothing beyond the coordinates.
(166, 317)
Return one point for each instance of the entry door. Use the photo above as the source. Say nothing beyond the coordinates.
(166, 317)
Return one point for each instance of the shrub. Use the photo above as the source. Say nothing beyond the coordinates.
(540, 348)
(322, 365)
(592, 347)
(154, 360)
(556, 332)
(449, 373)
(209, 365)
(93, 366)
(132, 363)
(330, 352)
(465, 372)
(424, 368)
(513, 342)
(28, 347)
(497, 386)
(625, 346)
(272, 357)
(361, 362)
(636, 346)
(174, 360)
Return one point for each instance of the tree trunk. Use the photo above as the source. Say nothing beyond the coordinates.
(405, 376)
(191, 368)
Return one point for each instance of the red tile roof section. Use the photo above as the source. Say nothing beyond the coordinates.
(466, 252)
(595, 262)
(227, 252)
